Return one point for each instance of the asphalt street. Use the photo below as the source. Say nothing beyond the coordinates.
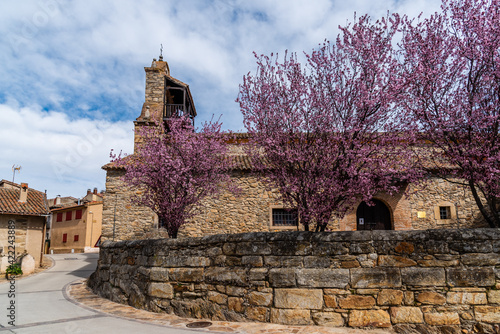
(38, 304)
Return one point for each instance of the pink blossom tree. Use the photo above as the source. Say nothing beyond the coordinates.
(174, 170)
(450, 67)
(326, 134)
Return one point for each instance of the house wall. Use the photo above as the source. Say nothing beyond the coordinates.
(249, 211)
(80, 227)
(28, 233)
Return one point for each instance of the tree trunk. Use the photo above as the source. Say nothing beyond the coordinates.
(480, 205)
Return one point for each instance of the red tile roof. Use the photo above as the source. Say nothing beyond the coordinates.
(238, 163)
(9, 200)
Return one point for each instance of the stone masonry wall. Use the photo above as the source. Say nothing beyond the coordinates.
(444, 280)
(250, 210)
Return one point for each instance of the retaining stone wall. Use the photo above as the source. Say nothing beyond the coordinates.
(438, 279)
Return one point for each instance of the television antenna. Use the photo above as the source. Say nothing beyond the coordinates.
(14, 169)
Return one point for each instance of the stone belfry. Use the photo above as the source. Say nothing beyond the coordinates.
(166, 97)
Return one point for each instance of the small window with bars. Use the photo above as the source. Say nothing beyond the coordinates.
(285, 217)
(444, 212)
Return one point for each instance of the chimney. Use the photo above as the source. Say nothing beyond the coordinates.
(24, 193)
(58, 200)
(89, 191)
(95, 191)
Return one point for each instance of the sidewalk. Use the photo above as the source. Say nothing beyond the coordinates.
(79, 294)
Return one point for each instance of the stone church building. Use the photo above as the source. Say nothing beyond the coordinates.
(434, 204)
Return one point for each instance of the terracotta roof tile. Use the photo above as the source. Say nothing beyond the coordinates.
(9, 200)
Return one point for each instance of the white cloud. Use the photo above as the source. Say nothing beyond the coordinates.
(56, 153)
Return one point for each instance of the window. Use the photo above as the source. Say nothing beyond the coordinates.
(284, 217)
(78, 214)
(75, 238)
(65, 237)
(69, 215)
(59, 217)
(444, 212)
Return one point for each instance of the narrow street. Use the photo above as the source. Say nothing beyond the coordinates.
(41, 305)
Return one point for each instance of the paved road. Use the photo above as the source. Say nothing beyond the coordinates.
(42, 307)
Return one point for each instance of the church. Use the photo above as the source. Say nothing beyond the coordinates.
(434, 204)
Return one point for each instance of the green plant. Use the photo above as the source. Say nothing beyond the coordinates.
(14, 269)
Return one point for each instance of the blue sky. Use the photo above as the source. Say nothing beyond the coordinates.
(72, 72)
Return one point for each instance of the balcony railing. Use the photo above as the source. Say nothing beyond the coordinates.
(176, 110)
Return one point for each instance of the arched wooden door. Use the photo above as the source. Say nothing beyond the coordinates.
(376, 217)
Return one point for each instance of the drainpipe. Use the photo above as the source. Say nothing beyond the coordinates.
(44, 229)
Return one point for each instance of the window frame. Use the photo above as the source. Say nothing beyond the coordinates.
(272, 226)
(452, 212)
(79, 214)
(65, 238)
(70, 215)
(59, 217)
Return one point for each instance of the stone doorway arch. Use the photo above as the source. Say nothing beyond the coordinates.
(376, 217)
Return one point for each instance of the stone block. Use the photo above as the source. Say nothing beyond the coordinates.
(323, 278)
(423, 276)
(405, 247)
(257, 313)
(467, 298)
(257, 274)
(186, 274)
(252, 261)
(439, 319)
(224, 275)
(481, 259)
(390, 297)
(330, 301)
(260, 299)
(479, 276)
(28, 264)
(395, 261)
(252, 248)
(317, 262)
(235, 304)
(290, 247)
(488, 314)
(161, 290)
(158, 274)
(328, 319)
(350, 264)
(494, 296)
(283, 261)
(291, 317)
(298, 298)
(185, 261)
(406, 315)
(357, 302)
(282, 277)
(217, 298)
(235, 291)
(438, 263)
(375, 278)
(330, 249)
(408, 297)
(431, 298)
(369, 318)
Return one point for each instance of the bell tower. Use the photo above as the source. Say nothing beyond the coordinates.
(165, 97)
